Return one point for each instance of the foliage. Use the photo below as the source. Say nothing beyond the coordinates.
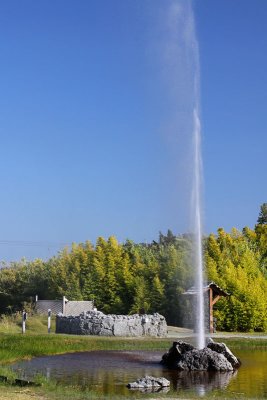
(263, 214)
(18, 347)
(234, 262)
(35, 344)
(120, 278)
(129, 277)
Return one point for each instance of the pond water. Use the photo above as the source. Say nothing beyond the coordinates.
(109, 372)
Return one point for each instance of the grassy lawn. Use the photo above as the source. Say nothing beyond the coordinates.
(9, 393)
(36, 342)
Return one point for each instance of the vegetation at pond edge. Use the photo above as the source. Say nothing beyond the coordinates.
(129, 277)
(37, 342)
(14, 347)
(55, 392)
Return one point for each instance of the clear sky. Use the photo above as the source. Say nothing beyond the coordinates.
(94, 122)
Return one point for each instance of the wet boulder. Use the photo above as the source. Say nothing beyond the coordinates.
(221, 348)
(149, 383)
(203, 360)
(185, 357)
(175, 353)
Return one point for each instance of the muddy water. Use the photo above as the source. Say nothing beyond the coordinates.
(110, 371)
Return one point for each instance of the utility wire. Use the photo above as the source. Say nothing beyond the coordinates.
(30, 243)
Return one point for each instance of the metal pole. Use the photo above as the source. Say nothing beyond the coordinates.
(49, 320)
(24, 317)
(63, 305)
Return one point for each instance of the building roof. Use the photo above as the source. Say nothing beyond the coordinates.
(216, 289)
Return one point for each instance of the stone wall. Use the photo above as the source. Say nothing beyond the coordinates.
(97, 323)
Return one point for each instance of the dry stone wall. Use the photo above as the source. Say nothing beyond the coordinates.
(97, 323)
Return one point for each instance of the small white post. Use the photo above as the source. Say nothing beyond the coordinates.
(49, 320)
(63, 305)
(24, 317)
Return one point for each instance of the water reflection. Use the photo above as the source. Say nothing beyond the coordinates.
(151, 390)
(109, 372)
(202, 381)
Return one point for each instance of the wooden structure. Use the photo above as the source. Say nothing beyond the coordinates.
(213, 293)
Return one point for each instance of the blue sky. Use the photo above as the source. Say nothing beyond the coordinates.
(95, 136)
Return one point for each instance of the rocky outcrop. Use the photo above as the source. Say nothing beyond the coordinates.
(221, 348)
(184, 357)
(150, 384)
(97, 323)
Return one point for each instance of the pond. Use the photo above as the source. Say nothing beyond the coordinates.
(109, 372)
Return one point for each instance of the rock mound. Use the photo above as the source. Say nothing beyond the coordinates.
(185, 357)
(221, 348)
(97, 323)
(149, 384)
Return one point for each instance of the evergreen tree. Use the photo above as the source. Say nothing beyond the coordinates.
(262, 219)
(141, 299)
(156, 295)
(85, 255)
(150, 277)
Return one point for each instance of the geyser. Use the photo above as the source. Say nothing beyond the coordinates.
(184, 76)
(197, 233)
(180, 57)
(196, 200)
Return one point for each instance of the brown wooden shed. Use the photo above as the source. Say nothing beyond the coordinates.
(214, 293)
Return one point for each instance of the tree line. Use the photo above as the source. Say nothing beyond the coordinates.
(152, 277)
(237, 261)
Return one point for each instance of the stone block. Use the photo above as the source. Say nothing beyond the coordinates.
(97, 323)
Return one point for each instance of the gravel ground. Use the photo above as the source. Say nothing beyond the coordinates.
(181, 333)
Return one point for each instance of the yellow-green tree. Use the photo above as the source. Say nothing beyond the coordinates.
(232, 261)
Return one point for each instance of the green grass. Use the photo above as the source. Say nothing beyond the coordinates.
(15, 346)
(36, 341)
(36, 324)
(51, 391)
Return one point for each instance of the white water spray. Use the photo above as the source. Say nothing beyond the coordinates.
(181, 65)
(193, 67)
(197, 234)
(197, 196)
